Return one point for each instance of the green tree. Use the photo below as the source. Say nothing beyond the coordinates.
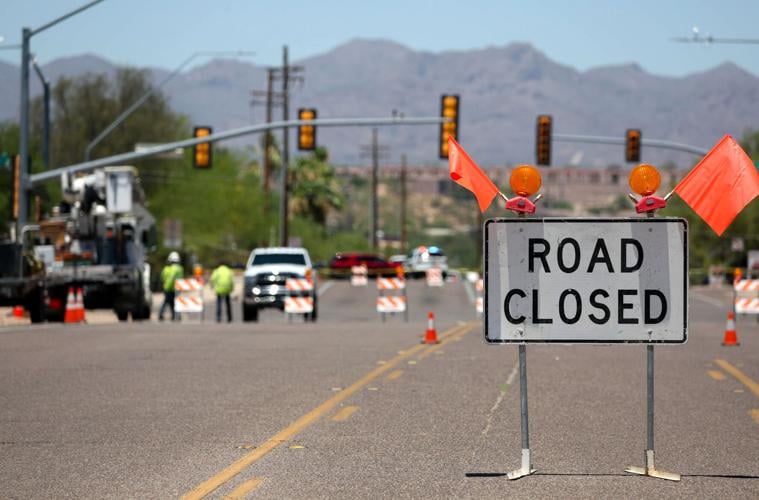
(315, 189)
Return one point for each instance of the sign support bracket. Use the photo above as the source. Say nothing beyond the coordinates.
(526, 468)
(650, 468)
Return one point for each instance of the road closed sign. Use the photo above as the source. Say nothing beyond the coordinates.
(598, 280)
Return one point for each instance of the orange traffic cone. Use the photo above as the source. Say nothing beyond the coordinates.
(80, 305)
(731, 337)
(70, 314)
(430, 336)
(18, 312)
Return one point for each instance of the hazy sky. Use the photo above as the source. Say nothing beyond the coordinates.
(579, 33)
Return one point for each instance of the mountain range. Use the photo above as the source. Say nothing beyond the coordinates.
(502, 90)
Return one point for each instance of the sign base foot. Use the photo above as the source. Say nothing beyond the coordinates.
(526, 468)
(651, 471)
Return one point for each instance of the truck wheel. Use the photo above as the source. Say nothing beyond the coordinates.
(141, 313)
(35, 304)
(313, 314)
(249, 313)
(122, 314)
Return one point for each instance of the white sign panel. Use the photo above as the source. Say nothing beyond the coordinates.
(586, 280)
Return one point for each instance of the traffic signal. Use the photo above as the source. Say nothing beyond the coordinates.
(15, 185)
(543, 140)
(202, 154)
(306, 133)
(449, 108)
(632, 145)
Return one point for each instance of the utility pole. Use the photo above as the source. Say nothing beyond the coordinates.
(404, 234)
(270, 96)
(374, 150)
(287, 73)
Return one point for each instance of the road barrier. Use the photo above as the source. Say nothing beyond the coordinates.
(479, 303)
(746, 296)
(434, 276)
(296, 302)
(391, 304)
(189, 297)
(359, 276)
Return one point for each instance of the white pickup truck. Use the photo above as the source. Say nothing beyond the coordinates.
(265, 275)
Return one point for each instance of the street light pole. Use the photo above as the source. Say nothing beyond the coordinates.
(45, 114)
(26, 35)
(152, 90)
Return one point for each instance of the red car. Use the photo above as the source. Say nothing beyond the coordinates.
(340, 265)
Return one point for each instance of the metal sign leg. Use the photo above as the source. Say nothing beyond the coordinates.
(526, 468)
(650, 468)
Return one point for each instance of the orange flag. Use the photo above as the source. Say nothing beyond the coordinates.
(722, 183)
(466, 173)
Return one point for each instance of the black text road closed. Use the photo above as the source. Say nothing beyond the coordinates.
(586, 280)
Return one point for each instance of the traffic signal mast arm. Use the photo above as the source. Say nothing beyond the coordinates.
(652, 143)
(230, 134)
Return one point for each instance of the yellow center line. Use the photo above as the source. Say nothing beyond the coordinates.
(344, 413)
(716, 374)
(243, 489)
(458, 335)
(394, 375)
(301, 423)
(739, 375)
(754, 414)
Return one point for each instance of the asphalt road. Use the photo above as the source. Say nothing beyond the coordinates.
(353, 407)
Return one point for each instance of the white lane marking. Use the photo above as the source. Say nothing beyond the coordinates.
(469, 291)
(323, 289)
(709, 300)
(491, 413)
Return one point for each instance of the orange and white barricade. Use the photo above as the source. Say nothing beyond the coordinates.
(299, 298)
(434, 276)
(390, 283)
(479, 303)
(359, 276)
(299, 305)
(189, 297)
(746, 296)
(392, 296)
(391, 304)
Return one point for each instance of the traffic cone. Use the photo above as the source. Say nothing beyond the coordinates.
(80, 305)
(18, 312)
(70, 314)
(430, 336)
(731, 336)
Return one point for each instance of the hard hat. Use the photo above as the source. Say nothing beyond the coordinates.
(173, 258)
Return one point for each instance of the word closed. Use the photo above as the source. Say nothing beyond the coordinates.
(586, 280)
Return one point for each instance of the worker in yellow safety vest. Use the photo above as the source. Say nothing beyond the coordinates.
(169, 276)
(223, 283)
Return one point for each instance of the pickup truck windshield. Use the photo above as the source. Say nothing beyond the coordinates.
(263, 259)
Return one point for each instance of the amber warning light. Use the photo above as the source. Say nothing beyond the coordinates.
(525, 181)
(645, 180)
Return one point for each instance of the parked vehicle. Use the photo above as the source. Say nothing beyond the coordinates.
(340, 265)
(267, 271)
(96, 239)
(423, 258)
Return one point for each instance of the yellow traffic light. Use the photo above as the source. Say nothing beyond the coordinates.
(632, 145)
(449, 108)
(543, 140)
(306, 133)
(525, 180)
(202, 153)
(15, 185)
(644, 179)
